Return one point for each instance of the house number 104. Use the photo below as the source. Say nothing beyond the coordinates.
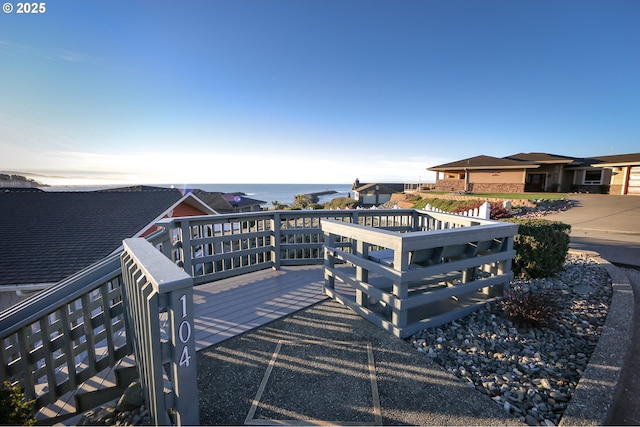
(184, 333)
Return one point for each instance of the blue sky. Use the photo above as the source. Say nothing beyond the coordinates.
(307, 91)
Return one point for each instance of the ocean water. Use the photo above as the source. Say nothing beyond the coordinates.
(283, 193)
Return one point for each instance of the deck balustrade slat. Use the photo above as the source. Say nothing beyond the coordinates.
(89, 332)
(28, 381)
(49, 358)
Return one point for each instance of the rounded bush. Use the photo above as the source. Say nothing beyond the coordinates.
(541, 247)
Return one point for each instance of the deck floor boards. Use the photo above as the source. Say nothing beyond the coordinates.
(226, 308)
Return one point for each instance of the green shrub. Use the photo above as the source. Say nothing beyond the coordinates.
(13, 409)
(541, 247)
(341, 202)
(444, 204)
(531, 308)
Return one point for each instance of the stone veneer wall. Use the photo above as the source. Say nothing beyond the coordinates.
(615, 189)
(449, 185)
(496, 188)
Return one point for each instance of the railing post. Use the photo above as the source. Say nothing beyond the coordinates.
(153, 286)
(183, 356)
(167, 241)
(275, 240)
(329, 262)
(485, 211)
(362, 274)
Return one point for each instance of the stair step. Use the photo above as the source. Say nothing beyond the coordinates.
(107, 385)
(92, 399)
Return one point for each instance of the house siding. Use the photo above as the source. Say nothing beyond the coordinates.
(496, 177)
(182, 209)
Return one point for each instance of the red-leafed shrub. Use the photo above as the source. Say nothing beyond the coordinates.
(497, 210)
(528, 307)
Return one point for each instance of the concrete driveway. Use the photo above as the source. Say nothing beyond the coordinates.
(609, 225)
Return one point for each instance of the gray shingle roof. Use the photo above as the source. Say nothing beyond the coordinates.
(224, 202)
(46, 236)
(388, 188)
(621, 159)
(481, 162)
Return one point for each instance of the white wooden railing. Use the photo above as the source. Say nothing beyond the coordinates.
(482, 212)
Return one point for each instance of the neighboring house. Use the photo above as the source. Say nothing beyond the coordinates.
(540, 172)
(229, 202)
(375, 193)
(48, 236)
(625, 173)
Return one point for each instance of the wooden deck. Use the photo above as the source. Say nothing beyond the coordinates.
(224, 309)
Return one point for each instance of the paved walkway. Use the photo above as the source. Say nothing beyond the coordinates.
(327, 365)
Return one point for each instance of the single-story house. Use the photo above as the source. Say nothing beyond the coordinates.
(541, 172)
(375, 193)
(51, 235)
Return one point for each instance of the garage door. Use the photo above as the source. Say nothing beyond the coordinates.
(634, 181)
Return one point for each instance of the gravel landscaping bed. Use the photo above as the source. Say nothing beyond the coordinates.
(530, 371)
(543, 208)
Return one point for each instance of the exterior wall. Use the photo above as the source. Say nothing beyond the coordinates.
(374, 199)
(383, 198)
(450, 185)
(496, 177)
(481, 181)
(568, 177)
(8, 299)
(618, 180)
(185, 210)
(496, 188)
(182, 209)
(250, 208)
(497, 181)
(554, 176)
(616, 190)
(580, 187)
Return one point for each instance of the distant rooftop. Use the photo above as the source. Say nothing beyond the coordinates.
(51, 235)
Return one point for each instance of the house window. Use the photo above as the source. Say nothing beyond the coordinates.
(593, 177)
